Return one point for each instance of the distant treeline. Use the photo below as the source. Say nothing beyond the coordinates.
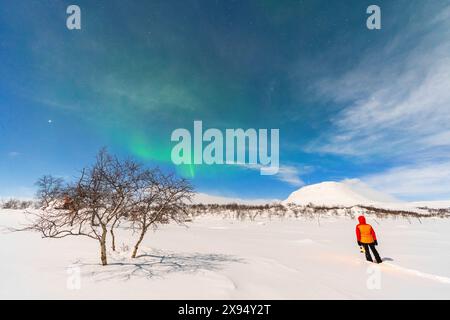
(17, 204)
(273, 210)
(278, 210)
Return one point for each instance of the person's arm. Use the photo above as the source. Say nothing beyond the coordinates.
(358, 235)
(372, 232)
(374, 236)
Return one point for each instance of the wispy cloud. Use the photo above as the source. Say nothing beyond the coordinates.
(415, 182)
(397, 98)
(397, 108)
(289, 174)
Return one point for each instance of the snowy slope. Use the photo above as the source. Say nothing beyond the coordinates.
(217, 258)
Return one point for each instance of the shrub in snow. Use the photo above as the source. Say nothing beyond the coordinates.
(16, 204)
(309, 211)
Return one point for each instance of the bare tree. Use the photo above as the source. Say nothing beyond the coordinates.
(107, 193)
(97, 200)
(164, 198)
(125, 179)
(49, 189)
(78, 219)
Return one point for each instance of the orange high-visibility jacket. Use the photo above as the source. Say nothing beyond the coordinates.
(365, 232)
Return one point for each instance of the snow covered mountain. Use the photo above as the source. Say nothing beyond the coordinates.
(346, 193)
(350, 192)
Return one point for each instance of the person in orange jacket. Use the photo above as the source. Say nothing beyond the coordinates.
(367, 238)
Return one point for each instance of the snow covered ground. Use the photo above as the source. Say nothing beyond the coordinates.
(227, 259)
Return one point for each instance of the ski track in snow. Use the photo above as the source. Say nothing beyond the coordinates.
(418, 273)
(218, 280)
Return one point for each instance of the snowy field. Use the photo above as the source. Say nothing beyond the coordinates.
(214, 258)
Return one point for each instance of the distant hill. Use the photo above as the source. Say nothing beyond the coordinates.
(345, 193)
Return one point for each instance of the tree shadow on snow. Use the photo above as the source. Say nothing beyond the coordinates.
(156, 264)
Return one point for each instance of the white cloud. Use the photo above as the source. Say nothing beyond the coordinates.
(402, 112)
(290, 175)
(420, 182)
(286, 173)
(397, 108)
(398, 97)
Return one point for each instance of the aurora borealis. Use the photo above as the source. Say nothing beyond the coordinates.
(349, 102)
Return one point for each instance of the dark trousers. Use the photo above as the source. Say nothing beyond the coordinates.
(374, 251)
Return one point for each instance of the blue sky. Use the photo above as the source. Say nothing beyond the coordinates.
(349, 102)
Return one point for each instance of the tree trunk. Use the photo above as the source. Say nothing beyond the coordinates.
(103, 256)
(136, 247)
(113, 237)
